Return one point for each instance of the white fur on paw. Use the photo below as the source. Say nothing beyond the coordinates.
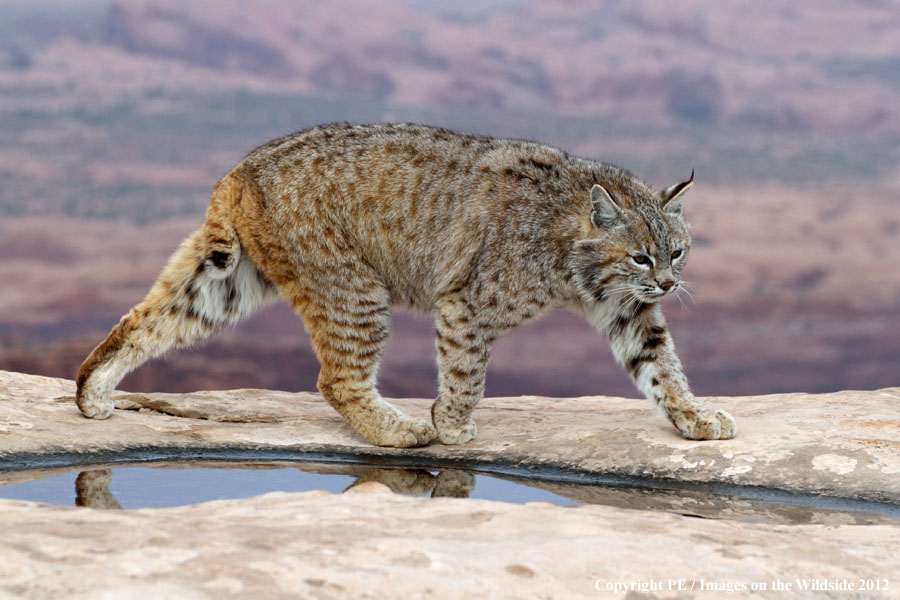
(95, 408)
(458, 435)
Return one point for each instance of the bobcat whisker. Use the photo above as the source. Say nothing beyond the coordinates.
(680, 301)
(683, 286)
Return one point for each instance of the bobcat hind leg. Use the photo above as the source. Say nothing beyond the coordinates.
(348, 333)
(190, 300)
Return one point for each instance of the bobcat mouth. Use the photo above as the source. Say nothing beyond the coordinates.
(652, 295)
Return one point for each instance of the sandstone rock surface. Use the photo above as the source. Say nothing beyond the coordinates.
(366, 544)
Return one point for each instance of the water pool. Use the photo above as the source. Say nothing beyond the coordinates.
(161, 484)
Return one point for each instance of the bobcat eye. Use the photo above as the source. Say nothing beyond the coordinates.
(677, 253)
(642, 259)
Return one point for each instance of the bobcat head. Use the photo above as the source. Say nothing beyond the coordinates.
(638, 244)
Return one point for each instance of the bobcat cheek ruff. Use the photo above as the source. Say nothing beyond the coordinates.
(343, 221)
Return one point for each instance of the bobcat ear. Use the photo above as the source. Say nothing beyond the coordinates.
(670, 198)
(605, 213)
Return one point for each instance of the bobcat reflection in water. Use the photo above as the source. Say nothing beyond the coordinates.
(154, 487)
(92, 487)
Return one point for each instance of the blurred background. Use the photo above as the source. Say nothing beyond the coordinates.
(117, 118)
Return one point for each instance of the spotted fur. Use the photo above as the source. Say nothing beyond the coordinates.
(344, 221)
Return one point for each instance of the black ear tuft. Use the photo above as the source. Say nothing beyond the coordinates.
(670, 198)
(605, 213)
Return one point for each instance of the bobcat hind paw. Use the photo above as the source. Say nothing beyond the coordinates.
(94, 407)
(407, 432)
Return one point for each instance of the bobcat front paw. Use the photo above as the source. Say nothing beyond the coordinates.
(406, 432)
(450, 435)
(94, 405)
(709, 425)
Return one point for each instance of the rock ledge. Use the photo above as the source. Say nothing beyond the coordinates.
(369, 543)
(845, 444)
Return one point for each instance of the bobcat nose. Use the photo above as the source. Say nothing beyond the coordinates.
(666, 285)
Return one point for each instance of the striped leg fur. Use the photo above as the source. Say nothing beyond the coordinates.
(348, 337)
(463, 351)
(641, 343)
(206, 284)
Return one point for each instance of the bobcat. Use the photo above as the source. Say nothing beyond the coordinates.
(346, 220)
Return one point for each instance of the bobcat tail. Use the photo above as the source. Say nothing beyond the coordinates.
(223, 249)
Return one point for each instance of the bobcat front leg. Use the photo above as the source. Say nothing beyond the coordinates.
(641, 343)
(463, 350)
